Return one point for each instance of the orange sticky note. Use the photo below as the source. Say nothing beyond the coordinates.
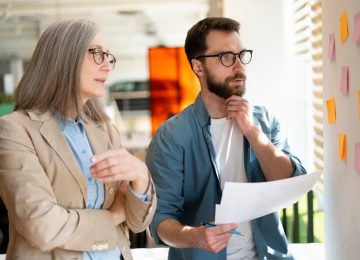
(344, 87)
(331, 109)
(331, 47)
(344, 30)
(359, 103)
(342, 146)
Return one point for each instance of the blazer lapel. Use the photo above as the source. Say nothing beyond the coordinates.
(51, 132)
(97, 136)
(100, 142)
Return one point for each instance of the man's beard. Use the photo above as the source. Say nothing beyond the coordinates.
(223, 89)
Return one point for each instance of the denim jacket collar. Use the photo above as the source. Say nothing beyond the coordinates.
(201, 111)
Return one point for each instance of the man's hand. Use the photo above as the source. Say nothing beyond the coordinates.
(238, 108)
(212, 239)
(275, 163)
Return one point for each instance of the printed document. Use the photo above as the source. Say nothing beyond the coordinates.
(246, 201)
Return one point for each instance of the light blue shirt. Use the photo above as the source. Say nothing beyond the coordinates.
(75, 135)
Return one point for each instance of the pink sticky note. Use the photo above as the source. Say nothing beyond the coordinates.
(356, 36)
(357, 157)
(344, 88)
(331, 47)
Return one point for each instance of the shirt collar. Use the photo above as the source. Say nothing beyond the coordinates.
(68, 121)
(201, 111)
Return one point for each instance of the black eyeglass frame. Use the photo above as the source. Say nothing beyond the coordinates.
(96, 50)
(220, 55)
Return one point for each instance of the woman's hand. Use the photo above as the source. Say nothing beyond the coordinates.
(120, 165)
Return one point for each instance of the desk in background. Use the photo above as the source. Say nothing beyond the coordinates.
(300, 252)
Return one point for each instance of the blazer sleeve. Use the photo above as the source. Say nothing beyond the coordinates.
(139, 213)
(32, 206)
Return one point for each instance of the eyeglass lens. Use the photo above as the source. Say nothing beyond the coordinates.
(228, 59)
(99, 56)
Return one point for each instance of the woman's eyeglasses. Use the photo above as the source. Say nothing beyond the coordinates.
(99, 56)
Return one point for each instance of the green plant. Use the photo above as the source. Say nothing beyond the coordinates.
(6, 98)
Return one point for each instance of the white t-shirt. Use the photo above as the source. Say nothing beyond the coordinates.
(229, 148)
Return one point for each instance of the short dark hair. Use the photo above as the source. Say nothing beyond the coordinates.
(195, 42)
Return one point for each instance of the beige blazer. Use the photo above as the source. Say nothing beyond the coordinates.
(44, 191)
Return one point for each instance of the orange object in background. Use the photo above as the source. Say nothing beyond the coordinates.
(173, 85)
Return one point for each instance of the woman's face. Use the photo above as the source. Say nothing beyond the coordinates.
(93, 76)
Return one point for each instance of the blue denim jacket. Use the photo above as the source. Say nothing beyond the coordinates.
(181, 159)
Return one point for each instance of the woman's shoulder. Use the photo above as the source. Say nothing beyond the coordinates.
(15, 117)
(14, 124)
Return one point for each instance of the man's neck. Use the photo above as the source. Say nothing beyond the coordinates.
(214, 104)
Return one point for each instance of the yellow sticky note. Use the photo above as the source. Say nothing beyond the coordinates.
(344, 30)
(331, 109)
(359, 103)
(342, 146)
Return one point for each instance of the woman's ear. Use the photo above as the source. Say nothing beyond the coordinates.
(197, 67)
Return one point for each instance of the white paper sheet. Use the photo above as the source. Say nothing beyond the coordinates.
(246, 201)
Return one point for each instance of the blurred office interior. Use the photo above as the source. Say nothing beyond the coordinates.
(147, 36)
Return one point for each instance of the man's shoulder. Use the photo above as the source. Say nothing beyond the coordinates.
(259, 111)
(179, 125)
(263, 117)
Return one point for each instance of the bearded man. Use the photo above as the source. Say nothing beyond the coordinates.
(217, 139)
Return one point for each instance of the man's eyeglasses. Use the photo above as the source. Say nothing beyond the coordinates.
(228, 58)
(99, 56)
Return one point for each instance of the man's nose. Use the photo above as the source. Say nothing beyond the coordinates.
(238, 66)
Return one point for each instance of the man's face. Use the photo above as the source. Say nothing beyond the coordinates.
(224, 81)
(224, 87)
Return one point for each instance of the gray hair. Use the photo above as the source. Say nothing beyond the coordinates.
(52, 79)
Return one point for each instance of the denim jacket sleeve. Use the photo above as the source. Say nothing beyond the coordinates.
(270, 126)
(165, 158)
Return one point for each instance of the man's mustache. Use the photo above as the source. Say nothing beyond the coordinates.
(237, 76)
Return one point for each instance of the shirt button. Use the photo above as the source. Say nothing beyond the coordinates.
(94, 247)
(111, 190)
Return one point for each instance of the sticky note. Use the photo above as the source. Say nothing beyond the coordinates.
(359, 103)
(344, 30)
(356, 36)
(331, 47)
(331, 110)
(357, 157)
(344, 87)
(342, 146)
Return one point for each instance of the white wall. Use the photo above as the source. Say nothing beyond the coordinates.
(273, 77)
(342, 183)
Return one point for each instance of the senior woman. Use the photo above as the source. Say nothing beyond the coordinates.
(71, 190)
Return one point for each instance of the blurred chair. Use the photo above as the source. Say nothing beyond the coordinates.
(4, 228)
